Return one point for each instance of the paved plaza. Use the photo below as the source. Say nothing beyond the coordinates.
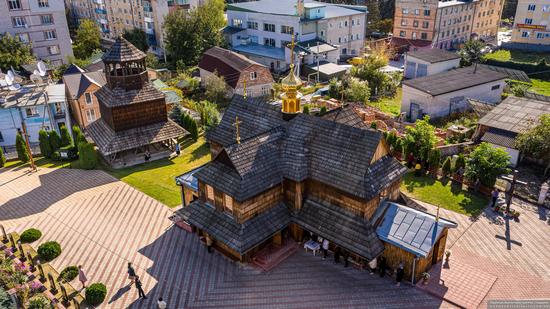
(103, 223)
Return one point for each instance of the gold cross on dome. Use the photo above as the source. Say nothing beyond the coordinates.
(238, 133)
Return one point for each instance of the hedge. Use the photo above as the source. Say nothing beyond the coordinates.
(44, 142)
(66, 139)
(95, 294)
(69, 273)
(30, 235)
(49, 251)
(87, 156)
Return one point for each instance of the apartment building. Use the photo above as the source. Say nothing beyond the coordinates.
(444, 24)
(262, 30)
(40, 23)
(115, 16)
(531, 22)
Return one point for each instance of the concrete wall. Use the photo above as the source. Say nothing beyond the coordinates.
(439, 106)
(260, 34)
(454, 25)
(433, 68)
(350, 38)
(539, 30)
(79, 107)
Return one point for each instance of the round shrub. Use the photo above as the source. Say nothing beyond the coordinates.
(69, 273)
(95, 294)
(30, 235)
(49, 251)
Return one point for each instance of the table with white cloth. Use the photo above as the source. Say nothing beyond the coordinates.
(312, 245)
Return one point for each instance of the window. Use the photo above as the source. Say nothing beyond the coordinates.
(322, 33)
(53, 50)
(14, 4)
(237, 22)
(529, 21)
(90, 115)
(19, 22)
(46, 19)
(50, 35)
(269, 42)
(23, 37)
(415, 23)
(403, 22)
(414, 35)
(425, 24)
(339, 40)
(88, 97)
(210, 193)
(416, 11)
(287, 29)
(424, 36)
(228, 204)
(253, 75)
(525, 34)
(546, 8)
(531, 7)
(31, 112)
(269, 27)
(495, 87)
(43, 4)
(345, 23)
(405, 11)
(427, 12)
(402, 34)
(252, 25)
(353, 22)
(540, 35)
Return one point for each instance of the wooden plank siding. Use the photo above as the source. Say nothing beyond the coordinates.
(261, 202)
(381, 150)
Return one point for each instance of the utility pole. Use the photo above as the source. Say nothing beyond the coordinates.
(24, 127)
(318, 55)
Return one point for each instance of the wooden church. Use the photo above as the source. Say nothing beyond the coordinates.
(278, 175)
(134, 125)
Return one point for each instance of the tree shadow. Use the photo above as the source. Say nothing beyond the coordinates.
(54, 187)
(412, 181)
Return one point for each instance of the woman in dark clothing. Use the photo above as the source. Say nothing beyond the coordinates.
(399, 275)
(131, 273)
(382, 266)
(346, 256)
(337, 251)
(141, 293)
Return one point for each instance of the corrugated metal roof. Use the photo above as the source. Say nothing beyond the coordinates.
(515, 114)
(500, 137)
(410, 229)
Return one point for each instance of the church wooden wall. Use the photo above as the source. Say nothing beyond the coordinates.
(138, 114)
(261, 202)
(381, 150)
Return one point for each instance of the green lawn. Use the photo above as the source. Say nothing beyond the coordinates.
(156, 178)
(517, 56)
(390, 105)
(446, 195)
(540, 86)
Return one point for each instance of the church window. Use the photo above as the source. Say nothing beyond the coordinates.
(210, 194)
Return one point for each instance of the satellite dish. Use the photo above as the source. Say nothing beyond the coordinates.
(41, 68)
(9, 78)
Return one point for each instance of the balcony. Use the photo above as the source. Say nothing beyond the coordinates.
(99, 1)
(100, 11)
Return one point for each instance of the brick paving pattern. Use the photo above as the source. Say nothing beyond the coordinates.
(103, 223)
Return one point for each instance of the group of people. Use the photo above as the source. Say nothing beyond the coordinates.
(134, 278)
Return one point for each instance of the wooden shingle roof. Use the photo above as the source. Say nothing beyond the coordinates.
(123, 51)
(120, 96)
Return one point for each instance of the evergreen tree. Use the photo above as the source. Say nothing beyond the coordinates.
(87, 156)
(65, 137)
(460, 162)
(78, 136)
(2, 158)
(193, 129)
(21, 147)
(446, 168)
(305, 110)
(55, 140)
(434, 159)
(176, 114)
(44, 141)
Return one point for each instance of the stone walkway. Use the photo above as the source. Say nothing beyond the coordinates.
(515, 253)
(103, 223)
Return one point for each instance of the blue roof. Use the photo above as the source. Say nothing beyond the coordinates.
(288, 7)
(261, 50)
(410, 229)
(189, 180)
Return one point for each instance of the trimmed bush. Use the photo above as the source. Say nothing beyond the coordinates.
(30, 235)
(49, 251)
(77, 135)
(39, 302)
(44, 141)
(55, 140)
(2, 158)
(95, 294)
(66, 139)
(68, 274)
(21, 147)
(87, 156)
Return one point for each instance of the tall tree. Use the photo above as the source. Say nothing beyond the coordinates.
(66, 139)
(471, 52)
(87, 39)
(13, 53)
(536, 141)
(486, 163)
(55, 140)
(44, 142)
(189, 34)
(374, 14)
(21, 147)
(420, 139)
(509, 9)
(137, 37)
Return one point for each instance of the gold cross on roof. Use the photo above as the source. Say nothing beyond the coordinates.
(238, 133)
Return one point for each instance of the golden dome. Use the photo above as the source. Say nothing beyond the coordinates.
(291, 80)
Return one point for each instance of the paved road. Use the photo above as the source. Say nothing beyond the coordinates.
(103, 223)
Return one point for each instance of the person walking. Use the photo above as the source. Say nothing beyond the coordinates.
(82, 276)
(337, 251)
(325, 248)
(178, 149)
(495, 195)
(208, 243)
(131, 273)
(161, 303)
(346, 256)
(399, 275)
(372, 266)
(382, 267)
(141, 293)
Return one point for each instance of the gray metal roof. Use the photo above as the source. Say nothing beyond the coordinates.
(433, 55)
(500, 137)
(512, 74)
(288, 7)
(410, 229)
(454, 80)
(515, 114)
(480, 108)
